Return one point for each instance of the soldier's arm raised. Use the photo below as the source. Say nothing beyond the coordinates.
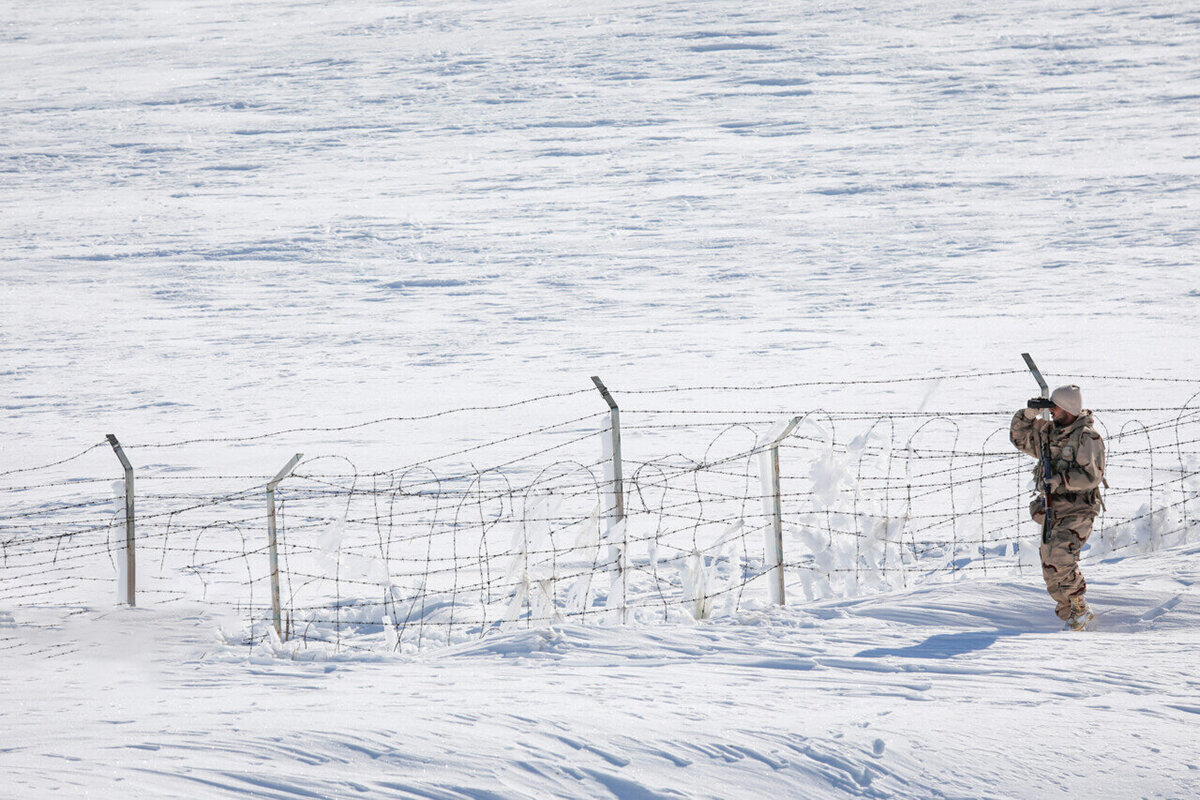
(1023, 432)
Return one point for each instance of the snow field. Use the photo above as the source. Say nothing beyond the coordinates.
(377, 201)
(221, 220)
(916, 694)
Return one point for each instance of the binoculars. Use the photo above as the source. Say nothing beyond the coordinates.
(1040, 402)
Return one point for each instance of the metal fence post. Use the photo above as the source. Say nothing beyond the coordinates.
(616, 513)
(775, 549)
(1037, 376)
(276, 611)
(615, 428)
(130, 559)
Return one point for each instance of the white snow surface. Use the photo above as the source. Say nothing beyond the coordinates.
(221, 220)
(966, 691)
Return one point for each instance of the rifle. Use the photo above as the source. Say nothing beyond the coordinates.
(1048, 520)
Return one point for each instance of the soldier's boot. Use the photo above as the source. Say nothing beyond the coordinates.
(1081, 614)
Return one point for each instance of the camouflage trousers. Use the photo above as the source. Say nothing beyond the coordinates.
(1071, 526)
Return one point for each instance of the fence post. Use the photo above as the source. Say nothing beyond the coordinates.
(775, 543)
(616, 513)
(1037, 376)
(130, 559)
(615, 428)
(276, 612)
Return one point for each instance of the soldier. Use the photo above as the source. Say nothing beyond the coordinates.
(1076, 472)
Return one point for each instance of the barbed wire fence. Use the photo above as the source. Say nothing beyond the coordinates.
(441, 551)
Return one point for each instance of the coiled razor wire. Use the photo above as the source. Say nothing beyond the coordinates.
(441, 551)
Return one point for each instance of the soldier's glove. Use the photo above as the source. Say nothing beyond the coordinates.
(1040, 402)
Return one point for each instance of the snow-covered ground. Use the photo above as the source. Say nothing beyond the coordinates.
(962, 692)
(220, 220)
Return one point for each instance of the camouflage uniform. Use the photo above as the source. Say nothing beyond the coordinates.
(1077, 470)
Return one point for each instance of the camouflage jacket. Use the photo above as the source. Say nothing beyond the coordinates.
(1076, 455)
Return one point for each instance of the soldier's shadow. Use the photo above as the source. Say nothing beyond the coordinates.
(942, 645)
